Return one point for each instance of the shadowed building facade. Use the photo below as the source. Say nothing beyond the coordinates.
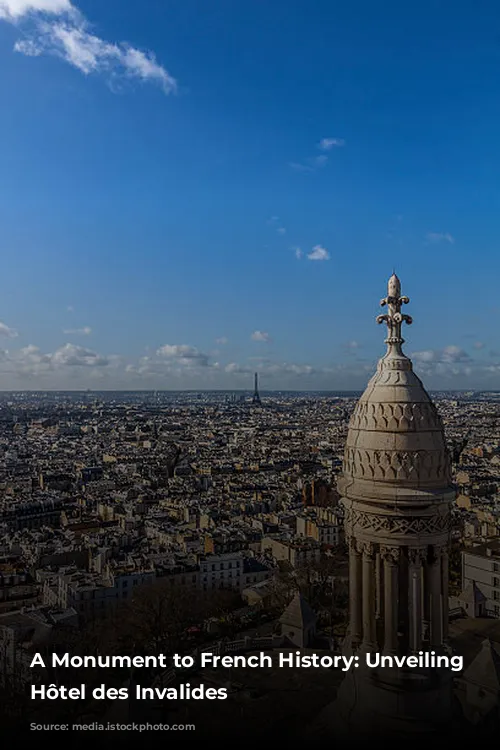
(397, 494)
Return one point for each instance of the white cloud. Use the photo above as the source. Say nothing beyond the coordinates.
(235, 369)
(57, 28)
(454, 354)
(67, 367)
(180, 366)
(449, 354)
(427, 355)
(15, 9)
(9, 333)
(267, 368)
(436, 237)
(183, 354)
(222, 341)
(319, 253)
(281, 230)
(260, 336)
(85, 331)
(76, 356)
(32, 354)
(288, 369)
(174, 360)
(298, 253)
(326, 144)
(272, 370)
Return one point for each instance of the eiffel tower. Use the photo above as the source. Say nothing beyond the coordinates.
(256, 397)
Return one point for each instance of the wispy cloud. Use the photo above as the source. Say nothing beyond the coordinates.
(222, 341)
(326, 144)
(233, 368)
(85, 331)
(320, 161)
(436, 237)
(298, 253)
(274, 221)
(260, 336)
(317, 162)
(297, 167)
(450, 354)
(352, 346)
(57, 28)
(318, 253)
(7, 332)
(311, 165)
(270, 369)
(450, 362)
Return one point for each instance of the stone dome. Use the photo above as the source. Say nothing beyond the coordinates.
(395, 446)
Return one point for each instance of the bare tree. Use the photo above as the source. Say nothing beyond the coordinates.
(156, 619)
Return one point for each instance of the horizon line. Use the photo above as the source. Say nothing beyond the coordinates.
(223, 390)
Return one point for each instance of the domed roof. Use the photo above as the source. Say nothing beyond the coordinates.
(395, 444)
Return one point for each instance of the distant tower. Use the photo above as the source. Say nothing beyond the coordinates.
(256, 397)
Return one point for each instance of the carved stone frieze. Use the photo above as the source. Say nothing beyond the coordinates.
(423, 467)
(398, 364)
(401, 417)
(396, 525)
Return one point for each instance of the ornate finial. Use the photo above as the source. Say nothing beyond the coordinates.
(394, 318)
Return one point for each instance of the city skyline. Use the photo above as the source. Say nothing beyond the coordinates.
(188, 197)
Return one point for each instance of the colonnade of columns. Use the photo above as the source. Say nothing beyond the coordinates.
(403, 588)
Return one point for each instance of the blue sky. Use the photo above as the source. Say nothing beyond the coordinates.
(190, 191)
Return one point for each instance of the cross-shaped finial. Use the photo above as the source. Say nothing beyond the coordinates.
(394, 318)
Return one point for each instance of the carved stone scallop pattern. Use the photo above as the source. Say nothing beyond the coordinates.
(395, 417)
(391, 377)
(397, 364)
(397, 525)
(394, 466)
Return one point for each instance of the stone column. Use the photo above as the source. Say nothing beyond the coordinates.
(369, 636)
(415, 598)
(426, 598)
(355, 592)
(378, 586)
(436, 599)
(390, 556)
(445, 585)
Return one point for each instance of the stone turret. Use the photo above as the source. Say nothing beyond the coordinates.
(397, 493)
